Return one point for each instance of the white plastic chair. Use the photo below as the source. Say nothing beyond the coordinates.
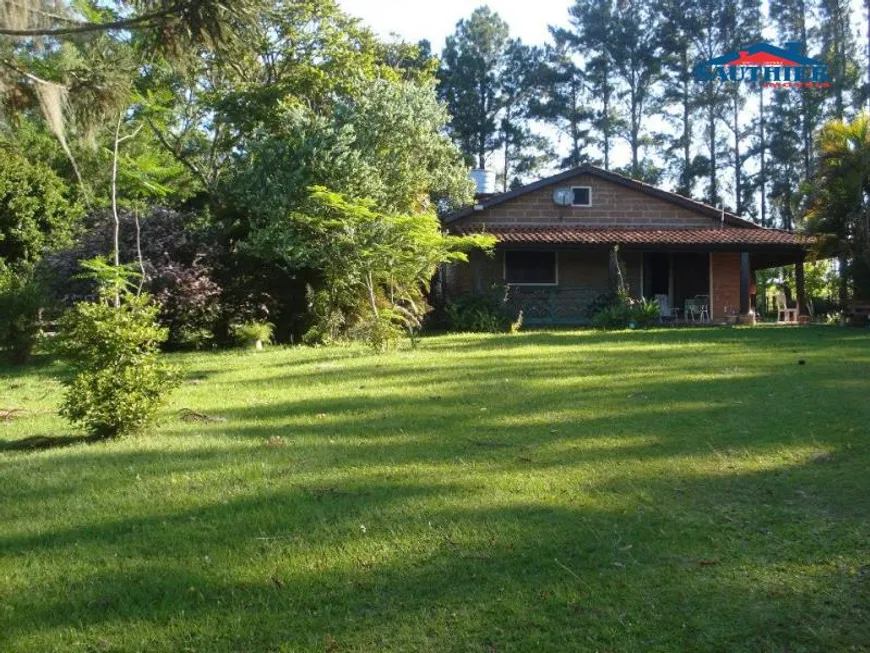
(664, 306)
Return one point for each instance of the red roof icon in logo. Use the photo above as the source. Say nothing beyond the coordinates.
(760, 59)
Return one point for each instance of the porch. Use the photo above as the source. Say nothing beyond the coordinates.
(556, 285)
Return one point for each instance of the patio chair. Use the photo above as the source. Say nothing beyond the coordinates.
(703, 305)
(784, 314)
(665, 310)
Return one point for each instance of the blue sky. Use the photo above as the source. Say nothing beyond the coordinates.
(415, 20)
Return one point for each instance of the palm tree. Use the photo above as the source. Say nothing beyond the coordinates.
(839, 198)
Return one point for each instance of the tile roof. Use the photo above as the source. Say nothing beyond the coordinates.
(569, 235)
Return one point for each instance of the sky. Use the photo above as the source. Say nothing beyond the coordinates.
(415, 20)
(434, 20)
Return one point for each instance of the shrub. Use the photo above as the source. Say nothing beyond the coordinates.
(22, 296)
(253, 334)
(119, 378)
(190, 303)
(380, 333)
(35, 212)
(601, 302)
(646, 313)
(487, 312)
(628, 314)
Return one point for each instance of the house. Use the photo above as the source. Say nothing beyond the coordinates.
(555, 238)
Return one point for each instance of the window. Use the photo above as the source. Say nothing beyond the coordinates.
(582, 196)
(530, 268)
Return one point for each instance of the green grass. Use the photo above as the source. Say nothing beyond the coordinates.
(689, 490)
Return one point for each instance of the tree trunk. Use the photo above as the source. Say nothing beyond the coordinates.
(763, 152)
(738, 173)
(844, 288)
(117, 219)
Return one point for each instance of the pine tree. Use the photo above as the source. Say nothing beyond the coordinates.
(679, 27)
(473, 62)
(562, 100)
(741, 123)
(592, 28)
(635, 48)
(523, 151)
(716, 23)
(839, 52)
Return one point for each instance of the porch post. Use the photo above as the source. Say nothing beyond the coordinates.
(745, 273)
(801, 296)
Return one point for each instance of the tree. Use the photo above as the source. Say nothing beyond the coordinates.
(716, 30)
(305, 53)
(523, 151)
(679, 26)
(747, 29)
(561, 102)
(113, 350)
(793, 25)
(635, 48)
(839, 52)
(840, 199)
(174, 23)
(592, 28)
(375, 267)
(36, 215)
(472, 65)
(386, 145)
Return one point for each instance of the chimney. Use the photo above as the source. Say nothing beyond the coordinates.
(484, 181)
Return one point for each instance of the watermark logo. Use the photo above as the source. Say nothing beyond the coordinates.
(767, 65)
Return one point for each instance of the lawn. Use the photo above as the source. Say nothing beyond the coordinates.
(694, 490)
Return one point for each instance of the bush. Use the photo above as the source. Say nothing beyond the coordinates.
(119, 379)
(380, 333)
(22, 296)
(36, 215)
(190, 303)
(253, 334)
(628, 314)
(603, 301)
(480, 312)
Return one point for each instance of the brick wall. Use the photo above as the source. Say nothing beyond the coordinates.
(612, 206)
(725, 283)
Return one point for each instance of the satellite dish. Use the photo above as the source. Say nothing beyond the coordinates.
(563, 196)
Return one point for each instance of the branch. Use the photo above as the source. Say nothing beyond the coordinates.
(178, 157)
(94, 27)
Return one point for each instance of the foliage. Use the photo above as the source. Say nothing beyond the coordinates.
(473, 63)
(384, 145)
(118, 378)
(36, 215)
(189, 301)
(488, 312)
(839, 204)
(22, 297)
(372, 265)
(601, 301)
(253, 334)
(622, 314)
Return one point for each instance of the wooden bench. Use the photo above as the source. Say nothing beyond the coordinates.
(858, 311)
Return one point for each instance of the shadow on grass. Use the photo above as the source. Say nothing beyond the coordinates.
(713, 566)
(42, 442)
(566, 516)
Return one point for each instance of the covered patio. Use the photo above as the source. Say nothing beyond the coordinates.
(555, 273)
